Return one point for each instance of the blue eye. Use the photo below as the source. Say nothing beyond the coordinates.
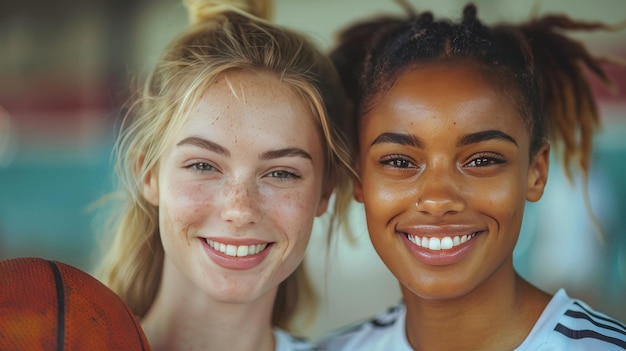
(201, 167)
(282, 174)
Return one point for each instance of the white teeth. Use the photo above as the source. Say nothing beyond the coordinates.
(237, 250)
(434, 244)
(231, 250)
(437, 244)
(242, 251)
(447, 243)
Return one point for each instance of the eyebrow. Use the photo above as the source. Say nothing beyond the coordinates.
(268, 155)
(415, 141)
(399, 138)
(286, 152)
(205, 144)
(485, 135)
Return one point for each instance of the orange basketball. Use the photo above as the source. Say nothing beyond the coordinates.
(49, 305)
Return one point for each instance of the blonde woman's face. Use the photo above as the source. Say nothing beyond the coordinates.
(238, 189)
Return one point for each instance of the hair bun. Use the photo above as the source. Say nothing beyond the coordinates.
(205, 10)
(470, 14)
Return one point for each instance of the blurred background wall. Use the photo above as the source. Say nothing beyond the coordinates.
(66, 68)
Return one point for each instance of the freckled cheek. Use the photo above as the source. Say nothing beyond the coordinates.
(295, 213)
(189, 203)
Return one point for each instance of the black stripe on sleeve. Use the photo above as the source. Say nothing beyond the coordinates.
(583, 315)
(382, 324)
(385, 321)
(602, 318)
(582, 334)
(58, 280)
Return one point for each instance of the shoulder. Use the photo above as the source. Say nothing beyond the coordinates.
(288, 342)
(385, 331)
(570, 324)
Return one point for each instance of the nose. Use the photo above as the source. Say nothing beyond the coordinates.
(242, 203)
(439, 192)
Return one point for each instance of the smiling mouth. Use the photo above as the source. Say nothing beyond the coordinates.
(237, 250)
(443, 243)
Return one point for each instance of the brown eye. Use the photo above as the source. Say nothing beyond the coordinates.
(397, 162)
(484, 160)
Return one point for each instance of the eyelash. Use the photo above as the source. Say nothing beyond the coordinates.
(281, 174)
(201, 167)
(397, 162)
(490, 158)
(403, 163)
(286, 174)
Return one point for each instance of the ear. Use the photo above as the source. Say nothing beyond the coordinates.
(322, 205)
(538, 173)
(150, 184)
(328, 187)
(358, 190)
(357, 187)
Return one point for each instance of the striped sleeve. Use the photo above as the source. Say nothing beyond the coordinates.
(582, 325)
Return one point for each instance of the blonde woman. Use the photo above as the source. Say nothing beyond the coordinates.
(225, 162)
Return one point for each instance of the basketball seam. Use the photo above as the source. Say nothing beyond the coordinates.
(58, 280)
(137, 330)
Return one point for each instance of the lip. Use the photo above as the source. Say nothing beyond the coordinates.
(439, 231)
(237, 242)
(234, 262)
(440, 257)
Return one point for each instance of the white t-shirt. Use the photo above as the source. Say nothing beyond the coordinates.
(566, 324)
(288, 342)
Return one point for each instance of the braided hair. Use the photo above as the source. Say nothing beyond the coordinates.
(542, 69)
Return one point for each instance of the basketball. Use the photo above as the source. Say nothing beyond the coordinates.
(49, 305)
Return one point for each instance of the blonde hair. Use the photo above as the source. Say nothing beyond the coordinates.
(220, 39)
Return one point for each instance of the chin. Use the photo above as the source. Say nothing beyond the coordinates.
(237, 292)
(234, 296)
(436, 291)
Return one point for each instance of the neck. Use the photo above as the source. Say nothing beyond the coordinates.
(183, 317)
(497, 315)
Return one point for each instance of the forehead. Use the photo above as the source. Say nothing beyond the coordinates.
(247, 107)
(250, 97)
(453, 93)
(460, 80)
